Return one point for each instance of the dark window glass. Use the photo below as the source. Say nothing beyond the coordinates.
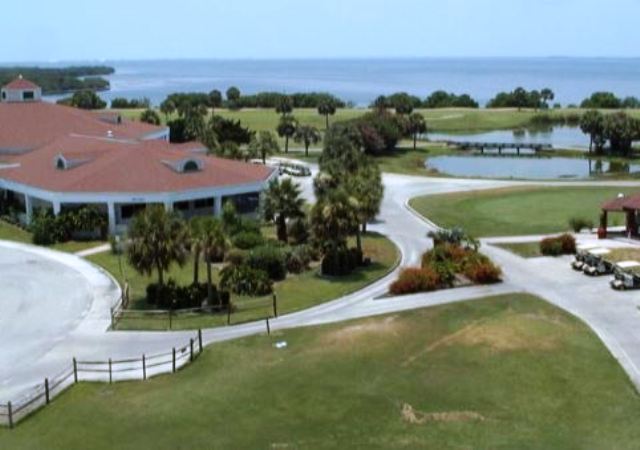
(28, 95)
(204, 203)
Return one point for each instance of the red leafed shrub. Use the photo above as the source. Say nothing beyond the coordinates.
(561, 245)
(413, 280)
(482, 270)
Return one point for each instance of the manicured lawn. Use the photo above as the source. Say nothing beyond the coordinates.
(502, 372)
(524, 249)
(9, 232)
(295, 293)
(517, 211)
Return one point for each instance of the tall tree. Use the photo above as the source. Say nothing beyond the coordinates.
(286, 129)
(308, 136)
(214, 245)
(416, 125)
(264, 144)
(283, 201)
(333, 219)
(547, 95)
(381, 103)
(195, 238)
(327, 108)
(157, 240)
(167, 107)
(284, 105)
(592, 123)
(215, 100)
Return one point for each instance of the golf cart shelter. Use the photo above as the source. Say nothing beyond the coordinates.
(59, 158)
(627, 205)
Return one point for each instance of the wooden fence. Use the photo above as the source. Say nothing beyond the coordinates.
(112, 370)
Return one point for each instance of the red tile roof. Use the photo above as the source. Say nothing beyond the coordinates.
(110, 165)
(621, 203)
(21, 83)
(33, 124)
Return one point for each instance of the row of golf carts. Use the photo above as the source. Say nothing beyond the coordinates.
(593, 261)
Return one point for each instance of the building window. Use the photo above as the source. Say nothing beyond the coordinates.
(204, 203)
(190, 166)
(60, 164)
(28, 95)
(128, 211)
(4, 95)
(181, 206)
(245, 203)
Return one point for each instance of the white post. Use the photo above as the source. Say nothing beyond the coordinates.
(168, 206)
(56, 208)
(217, 206)
(28, 208)
(111, 208)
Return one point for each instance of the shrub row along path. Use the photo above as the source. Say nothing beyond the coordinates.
(47, 342)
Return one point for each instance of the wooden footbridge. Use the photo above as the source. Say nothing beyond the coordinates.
(499, 146)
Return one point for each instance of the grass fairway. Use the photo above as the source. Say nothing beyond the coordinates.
(524, 249)
(444, 120)
(502, 372)
(295, 293)
(517, 211)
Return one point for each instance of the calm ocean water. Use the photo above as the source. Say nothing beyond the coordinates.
(361, 80)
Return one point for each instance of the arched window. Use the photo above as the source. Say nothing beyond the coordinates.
(190, 166)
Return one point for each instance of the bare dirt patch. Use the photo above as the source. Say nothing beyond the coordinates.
(508, 332)
(415, 417)
(351, 333)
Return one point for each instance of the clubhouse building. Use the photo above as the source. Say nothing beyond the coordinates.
(60, 158)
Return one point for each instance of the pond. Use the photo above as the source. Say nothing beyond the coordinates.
(526, 168)
(562, 137)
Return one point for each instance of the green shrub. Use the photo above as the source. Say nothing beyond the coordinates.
(298, 232)
(45, 229)
(414, 280)
(246, 240)
(298, 259)
(577, 224)
(235, 257)
(341, 262)
(269, 259)
(244, 280)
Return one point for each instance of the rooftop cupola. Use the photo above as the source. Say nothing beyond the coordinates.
(20, 91)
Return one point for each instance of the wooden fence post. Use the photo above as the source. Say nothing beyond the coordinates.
(174, 360)
(110, 372)
(46, 390)
(268, 327)
(229, 313)
(275, 305)
(200, 340)
(75, 370)
(191, 350)
(10, 411)
(144, 367)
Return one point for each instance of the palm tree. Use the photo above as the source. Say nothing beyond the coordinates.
(327, 108)
(167, 108)
(283, 201)
(334, 218)
(264, 143)
(416, 125)
(307, 135)
(284, 105)
(213, 242)
(195, 232)
(286, 129)
(157, 240)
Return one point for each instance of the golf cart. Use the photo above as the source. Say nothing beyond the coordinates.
(581, 253)
(595, 263)
(626, 275)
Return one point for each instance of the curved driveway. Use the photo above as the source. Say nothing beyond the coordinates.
(408, 232)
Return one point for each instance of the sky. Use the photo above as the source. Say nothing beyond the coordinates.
(90, 30)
